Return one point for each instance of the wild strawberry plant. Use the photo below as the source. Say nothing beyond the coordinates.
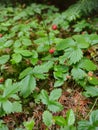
(34, 51)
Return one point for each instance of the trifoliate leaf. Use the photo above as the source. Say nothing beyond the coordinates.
(87, 64)
(47, 118)
(78, 73)
(55, 94)
(74, 54)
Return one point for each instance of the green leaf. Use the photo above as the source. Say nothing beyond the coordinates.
(91, 91)
(47, 118)
(87, 64)
(94, 39)
(58, 83)
(94, 117)
(81, 41)
(44, 68)
(59, 120)
(25, 72)
(55, 94)
(10, 88)
(78, 73)
(7, 106)
(54, 106)
(28, 84)
(84, 125)
(93, 80)
(4, 59)
(44, 97)
(26, 41)
(66, 43)
(29, 125)
(74, 54)
(26, 53)
(16, 58)
(16, 107)
(70, 117)
(8, 43)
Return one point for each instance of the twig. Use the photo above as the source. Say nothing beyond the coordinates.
(92, 108)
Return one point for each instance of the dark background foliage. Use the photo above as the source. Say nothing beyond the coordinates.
(61, 4)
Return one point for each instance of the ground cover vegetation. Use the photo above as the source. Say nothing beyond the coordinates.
(48, 67)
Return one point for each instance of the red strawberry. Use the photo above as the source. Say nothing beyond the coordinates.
(54, 27)
(51, 51)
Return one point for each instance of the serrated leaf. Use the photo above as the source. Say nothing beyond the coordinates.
(91, 91)
(54, 106)
(47, 118)
(29, 125)
(78, 73)
(16, 107)
(28, 84)
(55, 94)
(58, 83)
(26, 53)
(70, 117)
(10, 88)
(81, 41)
(4, 59)
(87, 64)
(93, 80)
(26, 41)
(44, 68)
(16, 58)
(94, 117)
(94, 39)
(7, 106)
(68, 42)
(25, 72)
(59, 120)
(84, 125)
(44, 97)
(74, 54)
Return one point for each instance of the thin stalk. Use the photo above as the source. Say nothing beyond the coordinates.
(91, 108)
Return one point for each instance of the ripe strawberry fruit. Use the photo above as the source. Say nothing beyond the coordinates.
(54, 27)
(51, 51)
